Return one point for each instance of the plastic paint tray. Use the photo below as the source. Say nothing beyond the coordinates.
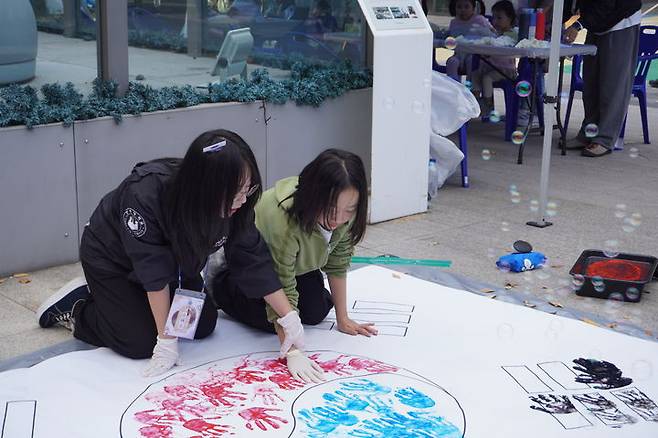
(603, 287)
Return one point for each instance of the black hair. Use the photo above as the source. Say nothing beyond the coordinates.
(477, 4)
(506, 7)
(320, 184)
(199, 197)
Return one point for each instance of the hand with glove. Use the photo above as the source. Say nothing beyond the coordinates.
(302, 368)
(293, 332)
(165, 356)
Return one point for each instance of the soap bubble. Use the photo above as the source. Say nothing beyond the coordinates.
(591, 130)
(634, 152)
(389, 103)
(611, 248)
(518, 137)
(577, 281)
(513, 188)
(494, 117)
(505, 332)
(523, 88)
(636, 219)
(641, 370)
(627, 225)
(534, 205)
(620, 211)
(451, 43)
(504, 226)
(543, 274)
(598, 283)
(418, 107)
(633, 293)
(551, 208)
(515, 197)
(486, 154)
(427, 83)
(468, 84)
(616, 297)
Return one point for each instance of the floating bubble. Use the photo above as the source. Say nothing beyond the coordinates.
(468, 84)
(504, 267)
(598, 283)
(591, 130)
(543, 274)
(504, 226)
(418, 107)
(620, 211)
(633, 152)
(486, 154)
(427, 83)
(627, 225)
(641, 370)
(636, 219)
(577, 281)
(616, 297)
(552, 335)
(633, 293)
(518, 137)
(512, 188)
(551, 209)
(451, 43)
(523, 88)
(494, 117)
(505, 332)
(389, 103)
(611, 248)
(515, 197)
(534, 205)
(556, 325)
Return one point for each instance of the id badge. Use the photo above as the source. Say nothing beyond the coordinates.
(184, 313)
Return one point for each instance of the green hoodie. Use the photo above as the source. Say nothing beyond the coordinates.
(294, 251)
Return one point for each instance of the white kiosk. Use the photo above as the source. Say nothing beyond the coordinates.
(401, 99)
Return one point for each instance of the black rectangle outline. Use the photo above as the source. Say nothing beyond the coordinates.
(4, 419)
(539, 365)
(630, 407)
(413, 307)
(615, 425)
(518, 383)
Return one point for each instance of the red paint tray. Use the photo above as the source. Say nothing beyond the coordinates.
(624, 275)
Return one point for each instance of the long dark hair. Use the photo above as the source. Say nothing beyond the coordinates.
(199, 197)
(320, 184)
(478, 6)
(507, 8)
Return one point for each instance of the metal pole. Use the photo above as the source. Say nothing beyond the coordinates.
(549, 102)
(70, 17)
(112, 42)
(195, 22)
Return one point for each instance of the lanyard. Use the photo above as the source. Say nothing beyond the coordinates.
(203, 277)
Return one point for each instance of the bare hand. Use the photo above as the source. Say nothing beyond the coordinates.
(570, 34)
(353, 328)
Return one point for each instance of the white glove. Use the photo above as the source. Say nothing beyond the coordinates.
(293, 331)
(165, 356)
(302, 368)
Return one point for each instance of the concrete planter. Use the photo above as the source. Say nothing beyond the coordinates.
(52, 177)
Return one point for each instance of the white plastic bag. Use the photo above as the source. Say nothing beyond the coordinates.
(452, 104)
(447, 156)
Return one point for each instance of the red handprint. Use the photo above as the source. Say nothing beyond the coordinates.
(273, 366)
(156, 431)
(332, 366)
(266, 395)
(246, 376)
(180, 407)
(156, 417)
(286, 381)
(221, 393)
(260, 418)
(370, 365)
(181, 391)
(205, 428)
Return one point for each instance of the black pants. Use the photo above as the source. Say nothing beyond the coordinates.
(314, 301)
(118, 314)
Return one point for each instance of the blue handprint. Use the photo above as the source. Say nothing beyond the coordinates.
(412, 425)
(416, 399)
(326, 419)
(344, 401)
(365, 385)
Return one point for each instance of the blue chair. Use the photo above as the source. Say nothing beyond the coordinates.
(648, 51)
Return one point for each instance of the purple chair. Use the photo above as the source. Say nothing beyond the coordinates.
(648, 51)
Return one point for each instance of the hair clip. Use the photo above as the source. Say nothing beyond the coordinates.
(214, 147)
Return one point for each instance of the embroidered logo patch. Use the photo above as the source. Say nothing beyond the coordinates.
(134, 222)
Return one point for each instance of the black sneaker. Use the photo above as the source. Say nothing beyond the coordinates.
(58, 309)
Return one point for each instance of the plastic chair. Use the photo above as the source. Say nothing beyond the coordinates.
(648, 51)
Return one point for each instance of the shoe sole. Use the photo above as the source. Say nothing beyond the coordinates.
(61, 293)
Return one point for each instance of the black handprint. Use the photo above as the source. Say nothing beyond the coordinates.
(552, 404)
(601, 374)
(639, 402)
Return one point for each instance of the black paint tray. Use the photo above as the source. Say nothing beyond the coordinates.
(612, 285)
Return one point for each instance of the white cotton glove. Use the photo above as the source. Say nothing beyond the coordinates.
(165, 356)
(302, 368)
(293, 331)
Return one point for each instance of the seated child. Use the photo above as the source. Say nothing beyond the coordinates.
(466, 22)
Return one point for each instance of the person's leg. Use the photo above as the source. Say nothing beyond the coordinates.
(617, 63)
(314, 300)
(118, 314)
(230, 299)
(452, 66)
(591, 87)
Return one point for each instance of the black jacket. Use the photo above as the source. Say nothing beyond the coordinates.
(600, 15)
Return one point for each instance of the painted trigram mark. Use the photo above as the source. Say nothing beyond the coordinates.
(19, 418)
(377, 306)
(561, 408)
(390, 319)
(638, 402)
(604, 409)
(561, 374)
(527, 379)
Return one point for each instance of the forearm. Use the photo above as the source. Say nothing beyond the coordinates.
(338, 288)
(279, 302)
(159, 301)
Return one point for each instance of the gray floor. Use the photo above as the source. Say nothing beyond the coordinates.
(471, 226)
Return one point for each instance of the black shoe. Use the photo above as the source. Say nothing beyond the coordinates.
(595, 150)
(58, 309)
